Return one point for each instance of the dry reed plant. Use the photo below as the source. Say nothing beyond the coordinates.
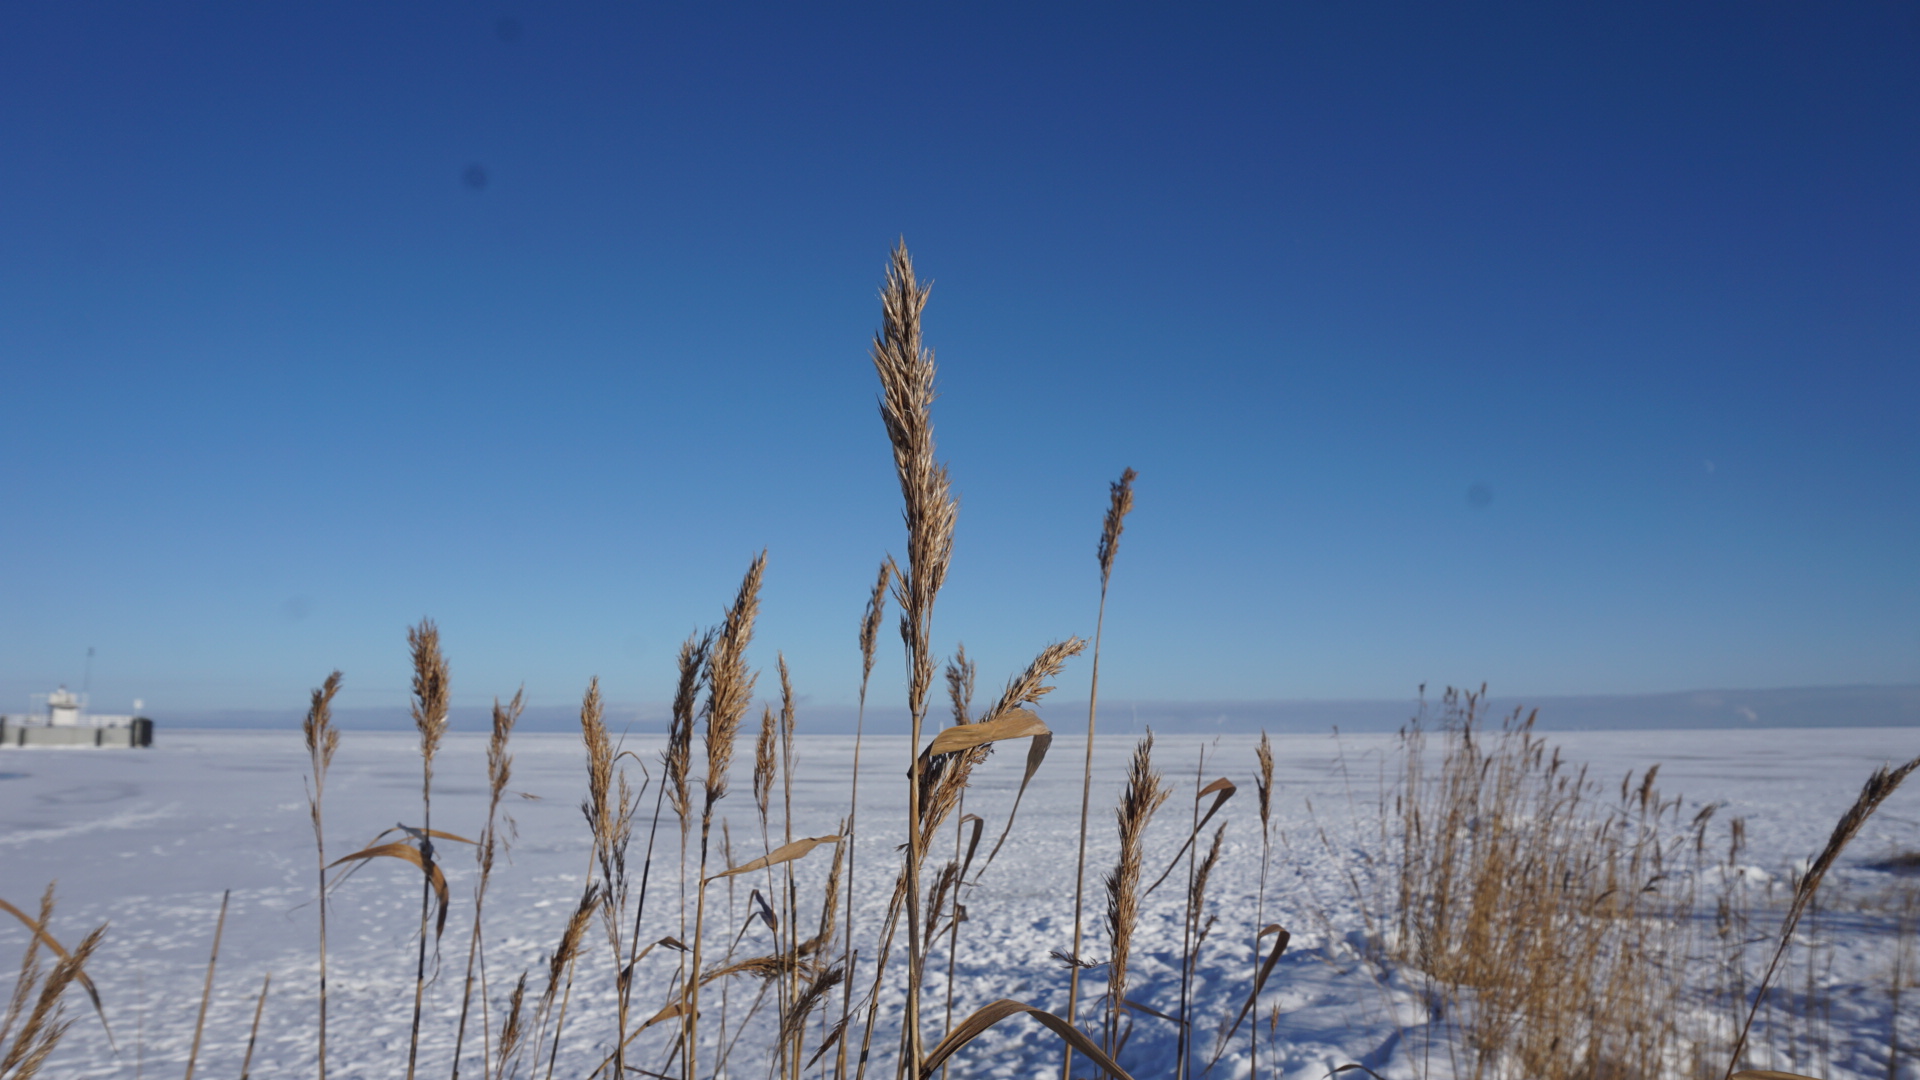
(430, 700)
(676, 765)
(1119, 505)
(1200, 927)
(322, 740)
(206, 992)
(1144, 795)
(942, 771)
(793, 1030)
(23, 1050)
(729, 689)
(253, 1035)
(906, 371)
(1884, 782)
(1554, 927)
(765, 767)
(1263, 788)
(1191, 933)
(960, 680)
(869, 634)
(608, 810)
(499, 775)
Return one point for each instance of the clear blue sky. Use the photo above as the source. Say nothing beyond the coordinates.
(543, 319)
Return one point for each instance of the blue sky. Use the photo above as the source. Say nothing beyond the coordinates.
(543, 319)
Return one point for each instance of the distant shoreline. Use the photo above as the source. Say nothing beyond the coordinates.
(1787, 707)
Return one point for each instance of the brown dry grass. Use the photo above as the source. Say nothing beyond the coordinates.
(1556, 927)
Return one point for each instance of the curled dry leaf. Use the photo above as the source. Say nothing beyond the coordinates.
(1036, 754)
(785, 853)
(406, 853)
(1259, 982)
(994, 1012)
(1013, 724)
(1221, 790)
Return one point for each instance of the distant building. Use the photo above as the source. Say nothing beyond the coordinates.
(65, 721)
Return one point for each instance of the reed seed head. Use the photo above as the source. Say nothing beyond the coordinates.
(1145, 794)
(1884, 782)
(786, 710)
(960, 671)
(763, 765)
(499, 762)
(598, 807)
(1264, 785)
(1119, 505)
(675, 759)
(907, 371)
(429, 687)
(729, 682)
(510, 1029)
(870, 622)
(1031, 685)
(1197, 894)
(322, 739)
(569, 947)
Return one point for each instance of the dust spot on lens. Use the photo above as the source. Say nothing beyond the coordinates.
(1479, 496)
(475, 177)
(507, 29)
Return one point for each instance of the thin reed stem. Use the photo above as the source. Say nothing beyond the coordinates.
(499, 774)
(729, 688)
(322, 741)
(1882, 783)
(430, 719)
(206, 991)
(869, 634)
(1181, 1042)
(253, 1035)
(1264, 786)
(1119, 505)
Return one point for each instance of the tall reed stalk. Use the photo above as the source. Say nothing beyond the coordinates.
(206, 992)
(960, 679)
(1181, 1043)
(765, 769)
(1263, 785)
(609, 811)
(791, 899)
(729, 689)
(499, 774)
(869, 635)
(430, 720)
(1144, 795)
(906, 369)
(1119, 505)
(1884, 782)
(322, 741)
(676, 771)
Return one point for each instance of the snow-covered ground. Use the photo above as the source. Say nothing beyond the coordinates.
(147, 841)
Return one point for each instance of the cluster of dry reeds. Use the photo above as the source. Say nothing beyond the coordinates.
(1568, 929)
(1555, 926)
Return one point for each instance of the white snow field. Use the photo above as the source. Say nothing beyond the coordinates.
(147, 841)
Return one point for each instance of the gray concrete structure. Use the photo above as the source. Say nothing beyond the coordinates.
(136, 732)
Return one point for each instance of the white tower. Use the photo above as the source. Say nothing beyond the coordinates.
(63, 708)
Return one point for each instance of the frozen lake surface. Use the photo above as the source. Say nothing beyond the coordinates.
(147, 840)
